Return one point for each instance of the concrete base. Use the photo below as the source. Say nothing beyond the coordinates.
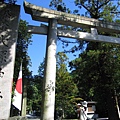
(17, 118)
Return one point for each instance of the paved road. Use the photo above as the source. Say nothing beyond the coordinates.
(33, 119)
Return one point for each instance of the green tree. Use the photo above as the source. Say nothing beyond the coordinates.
(35, 90)
(103, 9)
(66, 89)
(34, 93)
(23, 42)
(96, 71)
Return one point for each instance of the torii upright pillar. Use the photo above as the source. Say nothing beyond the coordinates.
(48, 98)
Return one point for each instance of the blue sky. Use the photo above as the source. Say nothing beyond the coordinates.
(36, 51)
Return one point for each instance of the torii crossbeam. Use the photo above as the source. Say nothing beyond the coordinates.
(42, 14)
(53, 18)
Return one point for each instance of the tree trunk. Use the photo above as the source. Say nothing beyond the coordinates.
(112, 108)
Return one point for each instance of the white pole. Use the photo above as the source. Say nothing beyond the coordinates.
(48, 100)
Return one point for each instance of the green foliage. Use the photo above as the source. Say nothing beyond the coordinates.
(23, 42)
(41, 69)
(66, 89)
(59, 5)
(96, 8)
(34, 90)
(95, 73)
(34, 93)
(106, 14)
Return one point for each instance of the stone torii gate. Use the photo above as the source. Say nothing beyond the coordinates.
(53, 18)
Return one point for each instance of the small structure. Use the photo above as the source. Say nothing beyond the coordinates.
(86, 110)
(91, 109)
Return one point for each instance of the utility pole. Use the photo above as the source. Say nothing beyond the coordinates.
(24, 98)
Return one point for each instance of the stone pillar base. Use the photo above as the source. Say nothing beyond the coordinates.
(17, 118)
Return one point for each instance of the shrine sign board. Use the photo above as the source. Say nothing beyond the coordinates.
(9, 19)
